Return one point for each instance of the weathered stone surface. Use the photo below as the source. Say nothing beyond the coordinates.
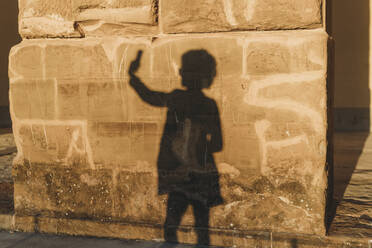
(131, 196)
(183, 16)
(79, 18)
(88, 145)
(24, 94)
(46, 19)
(55, 142)
(56, 18)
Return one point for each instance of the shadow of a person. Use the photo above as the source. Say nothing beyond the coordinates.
(186, 168)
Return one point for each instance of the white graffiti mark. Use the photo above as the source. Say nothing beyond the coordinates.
(121, 71)
(249, 10)
(79, 132)
(230, 15)
(261, 128)
(13, 74)
(228, 8)
(74, 148)
(17, 138)
(253, 97)
(79, 127)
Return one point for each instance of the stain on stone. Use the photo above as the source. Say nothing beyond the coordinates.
(83, 7)
(155, 10)
(295, 192)
(262, 185)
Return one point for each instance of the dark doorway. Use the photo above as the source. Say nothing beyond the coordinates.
(9, 37)
(348, 25)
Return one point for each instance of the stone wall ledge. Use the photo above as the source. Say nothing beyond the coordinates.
(152, 32)
(70, 19)
(51, 18)
(180, 16)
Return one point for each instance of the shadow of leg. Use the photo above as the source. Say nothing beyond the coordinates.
(201, 213)
(176, 208)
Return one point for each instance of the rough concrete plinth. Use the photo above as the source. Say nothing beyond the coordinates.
(135, 231)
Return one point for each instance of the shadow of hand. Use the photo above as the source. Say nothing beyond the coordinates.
(133, 68)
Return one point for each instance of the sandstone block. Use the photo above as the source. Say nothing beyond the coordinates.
(283, 56)
(184, 16)
(87, 61)
(30, 64)
(6, 222)
(125, 144)
(49, 142)
(91, 101)
(34, 99)
(79, 18)
(72, 100)
(100, 95)
(91, 121)
(111, 151)
(226, 49)
(46, 19)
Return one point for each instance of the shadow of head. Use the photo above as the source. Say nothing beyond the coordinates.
(198, 69)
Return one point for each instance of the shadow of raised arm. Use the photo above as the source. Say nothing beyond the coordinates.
(154, 98)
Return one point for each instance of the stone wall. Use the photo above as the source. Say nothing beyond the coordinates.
(88, 146)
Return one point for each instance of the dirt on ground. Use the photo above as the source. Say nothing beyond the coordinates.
(8, 151)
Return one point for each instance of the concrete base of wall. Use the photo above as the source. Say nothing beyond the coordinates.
(220, 237)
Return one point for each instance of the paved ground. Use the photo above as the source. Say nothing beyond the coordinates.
(7, 153)
(31, 240)
(353, 185)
